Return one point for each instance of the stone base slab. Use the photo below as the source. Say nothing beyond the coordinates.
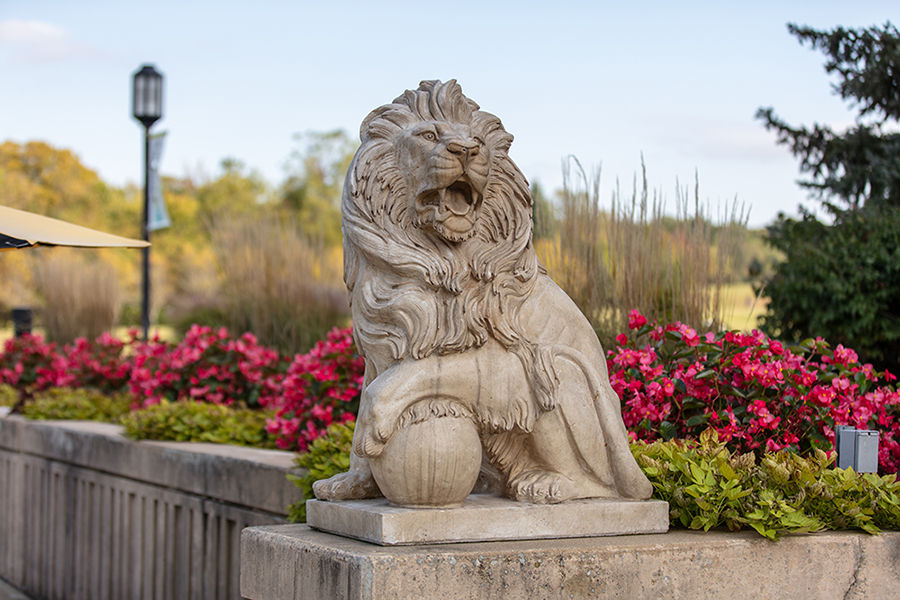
(486, 518)
(285, 562)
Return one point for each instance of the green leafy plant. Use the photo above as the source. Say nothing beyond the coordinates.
(8, 395)
(707, 486)
(326, 456)
(77, 404)
(191, 421)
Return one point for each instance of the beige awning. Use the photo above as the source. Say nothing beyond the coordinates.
(20, 229)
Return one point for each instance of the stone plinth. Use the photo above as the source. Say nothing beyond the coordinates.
(285, 562)
(486, 518)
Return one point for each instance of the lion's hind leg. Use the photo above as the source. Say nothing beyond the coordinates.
(564, 456)
(531, 475)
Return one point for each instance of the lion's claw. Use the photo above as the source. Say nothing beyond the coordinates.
(542, 487)
(347, 486)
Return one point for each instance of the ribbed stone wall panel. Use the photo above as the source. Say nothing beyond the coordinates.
(88, 528)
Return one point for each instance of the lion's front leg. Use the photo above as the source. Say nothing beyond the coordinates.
(385, 399)
(404, 384)
(355, 484)
(358, 482)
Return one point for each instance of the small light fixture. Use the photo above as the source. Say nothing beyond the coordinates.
(147, 97)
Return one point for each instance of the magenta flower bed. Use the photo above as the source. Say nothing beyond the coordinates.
(207, 365)
(308, 391)
(321, 387)
(757, 394)
(31, 363)
(674, 383)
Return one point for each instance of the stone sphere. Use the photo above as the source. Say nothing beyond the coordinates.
(430, 464)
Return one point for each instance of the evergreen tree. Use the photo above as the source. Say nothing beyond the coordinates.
(860, 166)
(842, 281)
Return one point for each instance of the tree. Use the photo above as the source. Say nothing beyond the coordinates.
(861, 165)
(236, 191)
(315, 181)
(839, 282)
(545, 222)
(842, 281)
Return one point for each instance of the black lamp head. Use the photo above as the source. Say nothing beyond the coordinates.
(147, 95)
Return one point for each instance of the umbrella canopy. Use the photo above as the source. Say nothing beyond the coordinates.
(20, 229)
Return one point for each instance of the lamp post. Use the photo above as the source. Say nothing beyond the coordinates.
(147, 108)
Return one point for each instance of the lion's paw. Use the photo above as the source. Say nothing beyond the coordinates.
(368, 443)
(347, 486)
(376, 428)
(542, 487)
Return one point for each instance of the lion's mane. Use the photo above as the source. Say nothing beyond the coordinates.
(413, 293)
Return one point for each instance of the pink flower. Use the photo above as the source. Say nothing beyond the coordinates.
(636, 320)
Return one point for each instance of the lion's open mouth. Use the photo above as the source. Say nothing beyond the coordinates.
(457, 199)
(451, 211)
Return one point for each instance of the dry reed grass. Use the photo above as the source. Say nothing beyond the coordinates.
(277, 282)
(636, 257)
(81, 297)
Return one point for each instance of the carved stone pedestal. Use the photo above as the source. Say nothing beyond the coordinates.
(486, 518)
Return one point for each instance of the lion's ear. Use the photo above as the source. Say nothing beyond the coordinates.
(496, 137)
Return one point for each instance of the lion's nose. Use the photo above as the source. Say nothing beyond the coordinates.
(463, 149)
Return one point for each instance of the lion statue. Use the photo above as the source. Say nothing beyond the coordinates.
(443, 279)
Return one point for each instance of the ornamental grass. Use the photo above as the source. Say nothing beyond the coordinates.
(635, 256)
(80, 298)
(279, 283)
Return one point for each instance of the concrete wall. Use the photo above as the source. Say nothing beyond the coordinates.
(86, 513)
(294, 562)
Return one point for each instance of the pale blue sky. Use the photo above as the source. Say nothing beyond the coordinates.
(677, 81)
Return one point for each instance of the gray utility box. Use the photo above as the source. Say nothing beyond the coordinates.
(856, 448)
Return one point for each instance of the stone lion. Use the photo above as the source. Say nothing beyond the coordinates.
(453, 312)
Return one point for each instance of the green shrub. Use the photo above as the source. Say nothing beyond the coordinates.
(77, 405)
(326, 456)
(707, 486)
(841, 282)
(8, 395)
(190, 421)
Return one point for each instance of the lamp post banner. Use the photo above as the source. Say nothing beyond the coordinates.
(159, 215)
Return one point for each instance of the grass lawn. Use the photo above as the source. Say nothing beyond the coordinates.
(165, 332)
(742, 307)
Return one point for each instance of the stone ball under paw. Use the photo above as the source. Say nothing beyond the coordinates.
(433, 463)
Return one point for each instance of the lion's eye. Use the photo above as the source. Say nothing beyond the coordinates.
(430, 136)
